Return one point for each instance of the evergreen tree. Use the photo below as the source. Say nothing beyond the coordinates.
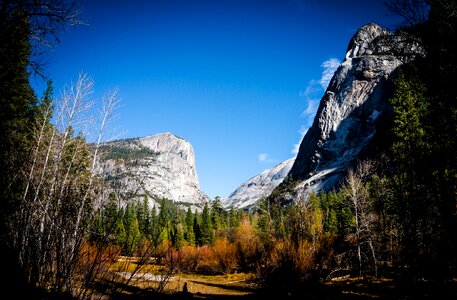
(17, 111)
(121, 234)
(234, 220)
(98, 227)
(217, 214)
(264, 222)
(207, 234)
(163, 221)
(177, 235)
(197, 230)
(264, 226)
(130, 214)
(410, 152)
(111, 213)
(143, 215)
(133, 237)
(154, 228)
(189, 234)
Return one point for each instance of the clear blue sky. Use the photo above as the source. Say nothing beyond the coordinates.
(240, 80)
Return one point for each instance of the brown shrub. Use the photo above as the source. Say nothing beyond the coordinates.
(288, 267)
(206, 264)
(224, 256)
(94, 264)
(189, 258)
(219, 259)
(247, 245)
(95, 260)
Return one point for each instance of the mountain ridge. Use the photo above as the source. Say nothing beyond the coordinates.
(259, 186)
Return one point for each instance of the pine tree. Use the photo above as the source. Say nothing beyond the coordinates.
(154, 228)
(233, 218)
(189, 233)
(207, 227)
(410, 152)
(111, 214)
(163, 221)
(121, 234)
(197, 230)
(143, 215)
(133, 237)
(264, 221)
(177, 235)
(130, 214)
(217, 213)
(17, 111)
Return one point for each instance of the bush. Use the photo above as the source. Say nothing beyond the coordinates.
(288, 268)
(247, 245)
(224, 256)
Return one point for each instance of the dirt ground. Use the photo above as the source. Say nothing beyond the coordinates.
(242, 286)
(208, 287)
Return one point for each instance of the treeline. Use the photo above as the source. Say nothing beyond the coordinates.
(136, 222)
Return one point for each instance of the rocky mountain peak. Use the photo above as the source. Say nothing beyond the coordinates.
(363, 39)
(260, 186)
(169, 143)
(351, 109)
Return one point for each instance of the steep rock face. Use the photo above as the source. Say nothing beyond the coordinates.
(351, 108)
(249, 192)
(158, 166)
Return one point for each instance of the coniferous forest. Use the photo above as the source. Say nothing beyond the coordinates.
(391, 226)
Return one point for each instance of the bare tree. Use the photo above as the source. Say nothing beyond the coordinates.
(363, 213)
(412, 12)
(61, 197)
(46, 20)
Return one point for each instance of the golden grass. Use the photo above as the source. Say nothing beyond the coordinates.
(132, 264)
(232, 284)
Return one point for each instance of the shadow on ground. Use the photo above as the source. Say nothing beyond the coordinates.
(342, 289)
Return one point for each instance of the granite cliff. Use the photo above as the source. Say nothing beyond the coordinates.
(157, 166)
(349, 115)
(353, 106)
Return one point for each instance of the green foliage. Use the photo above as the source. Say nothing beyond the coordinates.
(425, 166)
(264, 222)
(234, 220)
(285, 187)
(130, 152)
(189, 234)
(410, 107)
(217, 214)
(177, 237)
(121, 234)
(154, 231)
(18, 106)
(143, 215)
(207, 234)
(197, 230)
(163, 220)
(133, 237)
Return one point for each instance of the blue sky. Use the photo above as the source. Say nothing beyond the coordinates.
(240, 80)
